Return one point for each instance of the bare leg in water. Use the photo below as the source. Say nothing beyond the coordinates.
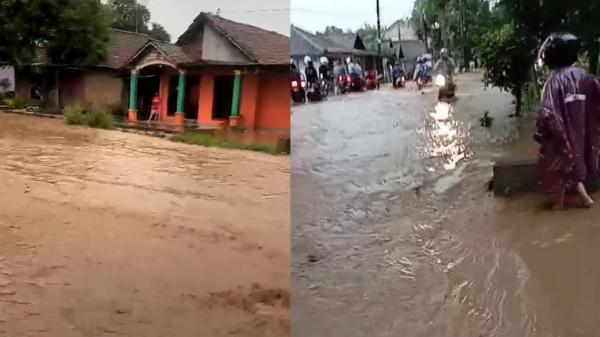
(585, 198)
(558, 200)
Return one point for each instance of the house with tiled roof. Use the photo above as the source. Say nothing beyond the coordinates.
(334, 47)
(218, 73)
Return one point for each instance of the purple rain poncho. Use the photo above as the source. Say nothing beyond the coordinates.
(567, 129)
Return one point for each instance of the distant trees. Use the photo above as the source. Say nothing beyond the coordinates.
(73, 31)
(132, 16)
(506, 35)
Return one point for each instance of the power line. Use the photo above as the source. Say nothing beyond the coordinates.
(257, 10)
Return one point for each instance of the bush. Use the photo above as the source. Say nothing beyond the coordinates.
(15, 103)
(75, 115)
(101, 118)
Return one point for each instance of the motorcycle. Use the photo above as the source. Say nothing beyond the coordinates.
(298, 90)
(447, 89)
(325, 86)
(422, 78)
(343, 82)
(371, 82)
(399, 81)
(313, 92)
(356, 83)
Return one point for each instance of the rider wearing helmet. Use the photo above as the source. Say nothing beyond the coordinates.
(312, 76)
(324, 68)
(567, 122)
(445, 65)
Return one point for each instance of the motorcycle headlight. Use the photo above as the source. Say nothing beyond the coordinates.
(440, 80)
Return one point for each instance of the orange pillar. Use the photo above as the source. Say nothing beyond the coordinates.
(249, 100)
(164, 94)
(205, 104)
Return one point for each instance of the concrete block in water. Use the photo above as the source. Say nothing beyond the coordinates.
(515, 177)
(518, 177)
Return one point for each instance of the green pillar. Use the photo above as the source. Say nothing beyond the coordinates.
(237, 94)
(181, 93)
(133, 90)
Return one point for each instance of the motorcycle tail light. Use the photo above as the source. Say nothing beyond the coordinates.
(294, 84)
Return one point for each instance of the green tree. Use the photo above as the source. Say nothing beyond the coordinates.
(507, 55)
(159, 32)
(132, 16)
(129, 15)
(73, 31)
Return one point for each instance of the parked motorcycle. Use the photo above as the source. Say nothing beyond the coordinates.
(298, 91)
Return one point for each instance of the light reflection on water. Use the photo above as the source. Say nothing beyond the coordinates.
(444, 139)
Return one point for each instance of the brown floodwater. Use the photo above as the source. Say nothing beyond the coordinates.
(394, 232)
(106, 233)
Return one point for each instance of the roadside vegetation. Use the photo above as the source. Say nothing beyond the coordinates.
(209, 140)
(101, 118)
(505, 35)
(14, 103)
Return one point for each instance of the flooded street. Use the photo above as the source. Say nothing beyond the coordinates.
(104, 233)
(395, 233)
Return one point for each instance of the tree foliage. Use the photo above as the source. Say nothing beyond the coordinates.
(132, 16)
(73, 31)
(507, 35)
(507, 55)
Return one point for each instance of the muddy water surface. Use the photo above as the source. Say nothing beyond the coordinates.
(105, 233)
(395, 233)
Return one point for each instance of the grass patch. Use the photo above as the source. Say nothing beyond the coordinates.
(15, 103)
(101, 118)
(216, 141)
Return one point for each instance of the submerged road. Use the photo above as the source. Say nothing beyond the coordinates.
(395, 234)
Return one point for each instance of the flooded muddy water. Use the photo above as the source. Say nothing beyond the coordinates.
(394, 231)
(106, 233)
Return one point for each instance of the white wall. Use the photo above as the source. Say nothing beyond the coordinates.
(9, 73)
(217, 48)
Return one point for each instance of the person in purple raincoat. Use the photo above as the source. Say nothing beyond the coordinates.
(567, 123)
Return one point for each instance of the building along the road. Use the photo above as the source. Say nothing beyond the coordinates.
(219, 72)
(404, 38)
(334, 47)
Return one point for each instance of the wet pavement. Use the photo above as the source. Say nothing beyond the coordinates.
(104, 233)
(394, 232)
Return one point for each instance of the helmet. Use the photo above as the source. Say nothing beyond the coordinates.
(324, 60)
(348, 59)
(444, 52)
(307, 59)
(559, 50)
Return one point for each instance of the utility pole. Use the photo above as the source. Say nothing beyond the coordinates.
(378, 30)
(136, 15)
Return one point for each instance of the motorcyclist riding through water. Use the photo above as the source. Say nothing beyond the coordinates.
(312, 80)
(325, 74)
(445, 66)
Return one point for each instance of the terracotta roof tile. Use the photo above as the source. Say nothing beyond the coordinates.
(122, 46)
(262, 46)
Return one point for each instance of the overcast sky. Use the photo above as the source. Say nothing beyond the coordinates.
(177, 15)
(315, 15)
